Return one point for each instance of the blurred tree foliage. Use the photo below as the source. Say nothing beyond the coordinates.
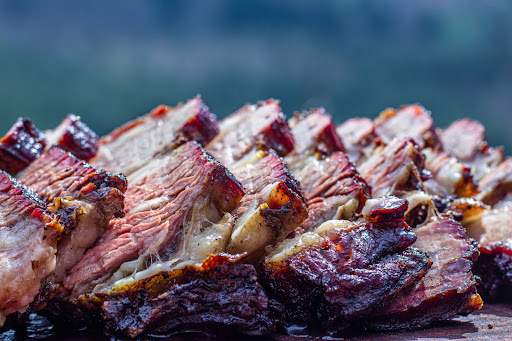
(112, 61)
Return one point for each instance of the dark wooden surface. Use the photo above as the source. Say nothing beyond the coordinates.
(493, 322)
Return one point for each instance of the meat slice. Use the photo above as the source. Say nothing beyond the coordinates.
(136, 143)
(219, 297)
(28, 242)
(174, 214)
(448, 289)
(497, 185)
(76, 137)
(493, 231)
(261, 126)
(344, 270)
(412, 121)
(23, 144)
(465, 139)
(84, 201)
(273, 205)
(313, 133)
(359, 138)
(449, 176)
(249, 144)
(334, 190)
(394, 169)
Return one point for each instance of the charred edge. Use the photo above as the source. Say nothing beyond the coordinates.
(219, 298)
(494, 267)
(278, 137)
(78, 139)
(23, 144)
(202, 127)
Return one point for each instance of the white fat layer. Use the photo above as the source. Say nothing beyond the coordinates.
(418, 198)
(206, 234)
(292, 246)
(250, 231)
(368, 206)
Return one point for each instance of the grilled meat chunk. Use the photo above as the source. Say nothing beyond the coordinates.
(497, 185)
(76, 137)
(449, 176)
(261, 126)
(344, 270)
(465, 139)
(83, 200)
(28, 242)
(272, 207)
(248, 144)
(136, 143)
(448, 289)
(493, 231)
(23, 144)
(334, 190)
(174, 207)
(333, 187)
(410, 121)
(219, 297)
(394, 169)
(314, 134)
(358, 137)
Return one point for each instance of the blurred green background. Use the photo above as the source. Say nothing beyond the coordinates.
(110, 61)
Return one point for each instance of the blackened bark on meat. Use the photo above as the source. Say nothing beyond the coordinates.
(346, 272)
(220, 297)
(494, 267)
(447, 290)
(494, 235)
(76, 137)
(23, 144)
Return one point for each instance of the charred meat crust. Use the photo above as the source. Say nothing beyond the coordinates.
(77, 138)
(58, 175)
(447, 290)
(349, 272)
(23, 144)
(220, 297)
(494, 267)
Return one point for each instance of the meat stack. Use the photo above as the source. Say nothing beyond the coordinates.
(254, 224)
